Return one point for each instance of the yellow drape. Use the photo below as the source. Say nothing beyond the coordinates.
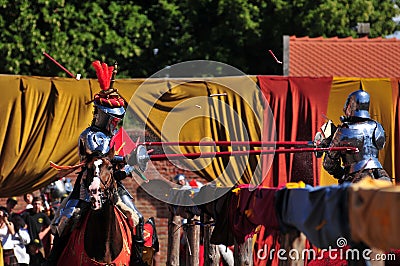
(41, 120)
(381, 109)
(204, 110)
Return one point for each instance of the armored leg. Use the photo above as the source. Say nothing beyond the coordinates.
(126, 198)
(67, 216)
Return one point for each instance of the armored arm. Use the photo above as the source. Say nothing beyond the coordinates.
(378, 137)
(333, 166)
(332, 161)
(121, 168)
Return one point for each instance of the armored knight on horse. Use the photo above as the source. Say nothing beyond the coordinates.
(94, 143)
(109, 110)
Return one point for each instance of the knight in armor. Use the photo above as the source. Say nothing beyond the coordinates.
(109, 110)
(95, 141)
(360, 131)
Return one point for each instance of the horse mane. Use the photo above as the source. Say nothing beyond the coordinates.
(103, 236)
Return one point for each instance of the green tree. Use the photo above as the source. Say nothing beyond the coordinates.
(75, 33)
(146, 36)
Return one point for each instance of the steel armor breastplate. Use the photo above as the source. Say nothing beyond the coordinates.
(365, 136)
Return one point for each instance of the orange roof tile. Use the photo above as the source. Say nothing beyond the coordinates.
(344, 57)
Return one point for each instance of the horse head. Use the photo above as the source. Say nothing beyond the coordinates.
(99, 182)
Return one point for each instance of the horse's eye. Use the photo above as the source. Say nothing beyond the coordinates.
(109, 168)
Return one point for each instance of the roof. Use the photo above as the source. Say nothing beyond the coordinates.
(344, 57)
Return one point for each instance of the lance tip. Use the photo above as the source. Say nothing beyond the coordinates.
(273, 55)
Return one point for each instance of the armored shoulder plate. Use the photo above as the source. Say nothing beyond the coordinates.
(92, 142)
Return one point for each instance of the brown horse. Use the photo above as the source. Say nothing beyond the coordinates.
(103, 236)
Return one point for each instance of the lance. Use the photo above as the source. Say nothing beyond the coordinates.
(78, 76)
(230, 143)
(195, 155)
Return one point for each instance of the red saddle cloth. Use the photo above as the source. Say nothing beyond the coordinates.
(75, 254)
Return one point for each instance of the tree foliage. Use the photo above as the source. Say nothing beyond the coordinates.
(148, 35)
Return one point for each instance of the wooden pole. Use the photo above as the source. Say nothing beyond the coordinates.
(192, 251)
(211, 253)
(243, 253)
(174, 236)
(298, 244)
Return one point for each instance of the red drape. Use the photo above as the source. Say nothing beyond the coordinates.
(275, 90)
(298, 105)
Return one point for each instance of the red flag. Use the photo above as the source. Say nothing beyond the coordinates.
(123, 144)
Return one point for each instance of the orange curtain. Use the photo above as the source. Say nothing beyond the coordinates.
(298, 106)
(276, 91)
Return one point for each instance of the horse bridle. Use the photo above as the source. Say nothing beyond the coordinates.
(105, 189)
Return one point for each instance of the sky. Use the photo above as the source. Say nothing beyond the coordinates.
(396, 34)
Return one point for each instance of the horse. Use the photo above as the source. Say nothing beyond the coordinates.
(103, 235)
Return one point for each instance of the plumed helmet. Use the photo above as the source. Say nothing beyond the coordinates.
(109, 106)
(357, 104)
(107, 118)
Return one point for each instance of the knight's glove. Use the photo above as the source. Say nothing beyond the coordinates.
(123, 173)
(321, 142)
(324, 137)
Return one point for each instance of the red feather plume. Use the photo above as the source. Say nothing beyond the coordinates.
(104, 74)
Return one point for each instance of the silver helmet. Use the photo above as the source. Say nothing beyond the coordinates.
(107, 118)
(357, 104)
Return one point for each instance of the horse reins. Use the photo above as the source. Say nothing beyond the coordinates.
(109, 190)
